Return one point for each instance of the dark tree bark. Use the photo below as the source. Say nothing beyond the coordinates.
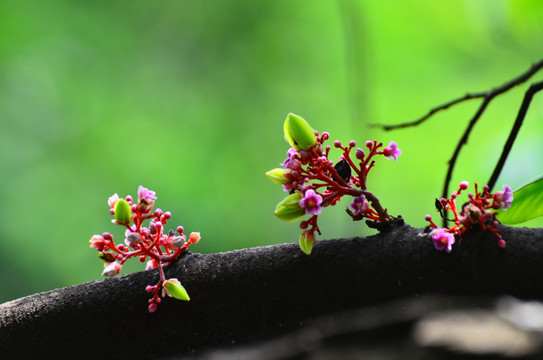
(258, 293)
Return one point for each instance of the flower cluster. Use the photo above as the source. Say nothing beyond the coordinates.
(149, 244)
(313, 181)
(477, 211)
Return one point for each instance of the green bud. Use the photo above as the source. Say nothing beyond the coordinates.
(278, 176)
(299, 133)
(174, 289)
(289, 209)
(307, 239)
(123, 214)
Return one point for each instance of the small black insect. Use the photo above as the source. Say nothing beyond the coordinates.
(343, 169)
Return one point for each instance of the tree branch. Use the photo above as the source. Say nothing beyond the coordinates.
(532, 90)
(251, 294)
(487, 95)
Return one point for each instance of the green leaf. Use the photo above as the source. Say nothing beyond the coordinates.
(527, 204)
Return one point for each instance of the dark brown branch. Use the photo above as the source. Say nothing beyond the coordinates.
(432, 111)
(489, 94)
(456, 153)
(252, 294)
(532, 90)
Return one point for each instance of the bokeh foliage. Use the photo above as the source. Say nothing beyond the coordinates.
(188, 98)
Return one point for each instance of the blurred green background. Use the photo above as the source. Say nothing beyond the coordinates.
(188, 99)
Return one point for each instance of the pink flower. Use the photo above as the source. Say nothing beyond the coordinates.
(146, 200)
(505, 197)
(112, 200)
(392, 151)
(360, 205)
(291, 162)
(144, 193)
(443, 240)
(311, 202)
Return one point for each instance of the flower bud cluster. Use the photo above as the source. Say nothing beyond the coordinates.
(149, 243)
(314, 181)
(480, 210)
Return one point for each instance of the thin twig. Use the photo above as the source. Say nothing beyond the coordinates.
(432, 111)
(463, 140)
(489, 94)
(532, 90)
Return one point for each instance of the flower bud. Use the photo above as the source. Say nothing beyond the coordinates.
(289, 209)
(106, 257)
(194, 237)
(472, 212)
(123, 214)
(179, 241)
(112, 269)
(98, 242)
(278, 176)
(359, 153)
(174, 242)
(307, 239)
(299, 133)
(174, 289)
(133, 238)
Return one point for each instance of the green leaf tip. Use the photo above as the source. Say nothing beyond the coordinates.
(528, 204)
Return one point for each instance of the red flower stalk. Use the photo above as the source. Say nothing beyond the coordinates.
(478, 211)
(315, 182)
(144, 242)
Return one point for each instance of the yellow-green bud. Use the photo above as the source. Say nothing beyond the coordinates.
(307, 239)
(299, 133)
(278, 176)
(123, 214)
(174, 289)
(289, 209)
